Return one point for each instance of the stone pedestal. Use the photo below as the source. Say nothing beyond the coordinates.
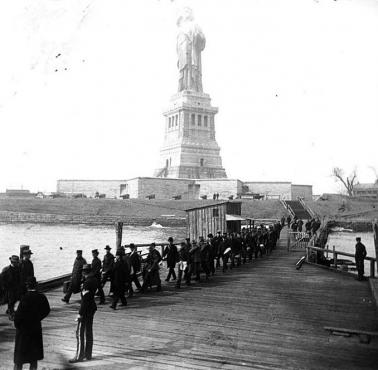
(190, 149)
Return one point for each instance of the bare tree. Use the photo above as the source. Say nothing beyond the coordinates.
(348, 181)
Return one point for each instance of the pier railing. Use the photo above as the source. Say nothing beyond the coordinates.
(298, 240)
(335, 254)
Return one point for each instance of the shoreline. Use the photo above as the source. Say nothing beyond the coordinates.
(9, 217)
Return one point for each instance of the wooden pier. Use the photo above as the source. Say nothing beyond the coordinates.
(262, 315)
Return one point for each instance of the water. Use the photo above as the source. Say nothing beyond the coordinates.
(345, 242)
(54, 246)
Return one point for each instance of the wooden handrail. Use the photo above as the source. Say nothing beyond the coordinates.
(338, 252)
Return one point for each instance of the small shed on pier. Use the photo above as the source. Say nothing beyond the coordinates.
(220, 216)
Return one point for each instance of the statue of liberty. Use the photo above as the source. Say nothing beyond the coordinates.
(190, 43)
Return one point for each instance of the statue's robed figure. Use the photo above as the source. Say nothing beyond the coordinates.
(190, 43)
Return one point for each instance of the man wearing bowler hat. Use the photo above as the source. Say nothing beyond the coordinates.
(26, 269)
(96, 270)
(84, 331)
(76, 276)
(11, 277)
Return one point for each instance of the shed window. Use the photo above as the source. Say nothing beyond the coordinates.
(215, 212)
(176, 119)
(201, 162)
(193, 119)
(199, 120)
(205, 121)
(169, 124)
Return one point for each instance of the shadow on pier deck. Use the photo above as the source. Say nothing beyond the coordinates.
(262, 315)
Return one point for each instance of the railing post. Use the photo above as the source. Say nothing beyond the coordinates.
(372, 268)
(334, 257)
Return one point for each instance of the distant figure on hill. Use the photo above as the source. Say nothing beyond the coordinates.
(360, 254)
(76, 276)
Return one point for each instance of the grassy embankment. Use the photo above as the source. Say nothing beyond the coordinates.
(343, 208)
(148, 209)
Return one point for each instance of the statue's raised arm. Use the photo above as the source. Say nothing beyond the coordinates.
(190, 43)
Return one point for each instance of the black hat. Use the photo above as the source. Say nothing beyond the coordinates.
(87, 267)
(94, 251)
(358, 239)
(107, 248)
(14, 258)
(79, 251)
(152, 245)
(219, 232)
(210, 236)
(132, 245)
(31, 282)
(170, 239)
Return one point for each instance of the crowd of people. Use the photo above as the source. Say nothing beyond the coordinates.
(311, 226)
(126, 269)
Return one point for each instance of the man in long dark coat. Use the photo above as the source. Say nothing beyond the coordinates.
(151, 274)
(107, 268)
(33, 308)
(11, 281)
(360, 255)
(96, 271)
(26, 269)
(88, 307)
(120, 280)
(136, 265)
(76, 276)
(171, 256)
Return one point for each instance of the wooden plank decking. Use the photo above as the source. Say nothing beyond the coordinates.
(263, 315)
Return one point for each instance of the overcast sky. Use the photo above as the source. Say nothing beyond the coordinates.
(83, 84)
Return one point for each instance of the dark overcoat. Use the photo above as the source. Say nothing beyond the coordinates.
(77, 274)
(171, 254)
(33, 308)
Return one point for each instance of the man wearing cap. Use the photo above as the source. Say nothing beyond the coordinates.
(360, 255)
(151, 270)
(96, 270)
(11, 277)
(136, 264)
(76, 276)
(120, 279)
(107, 268)
(33, 308)
(26, 269)
(171, 256)
(84, 330)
